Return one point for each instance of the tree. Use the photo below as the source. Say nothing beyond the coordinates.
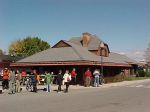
(16, 48)
(1, 52)
(147, 54)
(27, 46)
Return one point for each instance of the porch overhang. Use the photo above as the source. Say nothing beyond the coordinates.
(67, 63)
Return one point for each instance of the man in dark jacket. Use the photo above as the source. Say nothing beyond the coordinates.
(59, 80)
(34, 80)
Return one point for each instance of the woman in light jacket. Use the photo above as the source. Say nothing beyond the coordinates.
(67, 79)
(12, 80)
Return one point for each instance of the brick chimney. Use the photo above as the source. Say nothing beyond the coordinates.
(85, 39)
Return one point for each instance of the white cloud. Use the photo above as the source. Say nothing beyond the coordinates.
(136, 54)
(123, 53)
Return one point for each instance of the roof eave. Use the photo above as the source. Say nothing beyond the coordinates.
(59, 63)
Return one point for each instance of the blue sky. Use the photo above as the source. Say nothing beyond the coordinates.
(123, 24)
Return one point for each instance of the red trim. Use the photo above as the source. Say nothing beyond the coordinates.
(4, 64)
(90, 63)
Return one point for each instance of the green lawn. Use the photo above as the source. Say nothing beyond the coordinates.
(135, 78)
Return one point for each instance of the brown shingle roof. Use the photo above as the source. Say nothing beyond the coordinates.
(73, 53)
(92, 45)
(118, 58)
(9, 58)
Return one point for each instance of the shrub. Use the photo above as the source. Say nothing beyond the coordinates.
(142, 73)
(147, 74)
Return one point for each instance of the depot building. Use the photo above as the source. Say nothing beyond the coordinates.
(85, 51)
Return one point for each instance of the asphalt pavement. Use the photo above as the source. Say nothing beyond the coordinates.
(128, 96)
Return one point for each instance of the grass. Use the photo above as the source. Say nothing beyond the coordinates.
(135, 78)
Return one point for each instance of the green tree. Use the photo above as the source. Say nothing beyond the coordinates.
(1, 52)
(16, 48)
(27, 46)
(147, 54)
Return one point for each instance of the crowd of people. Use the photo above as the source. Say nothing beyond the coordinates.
(13, 80)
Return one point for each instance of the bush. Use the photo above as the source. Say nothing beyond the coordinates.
(143, 74)
(147, 74)
(116, 78)
(135, 78)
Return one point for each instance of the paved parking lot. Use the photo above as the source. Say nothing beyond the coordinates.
(116, 97)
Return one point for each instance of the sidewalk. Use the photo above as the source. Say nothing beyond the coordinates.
(117, 84)
(125, 83)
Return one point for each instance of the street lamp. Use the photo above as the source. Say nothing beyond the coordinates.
(101, 50)
(13, 57)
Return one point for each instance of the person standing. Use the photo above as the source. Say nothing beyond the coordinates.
(96, 74)
(34, 81)
(18, 81)
(23, 74)
(59, 79)
(73, 77)
(101, 77)
(12, 80)
(38, 79)
(48, 81)
(5, 76)
(88, 76)
(67, 79)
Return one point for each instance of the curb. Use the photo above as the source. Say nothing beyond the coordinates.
(125, 83)
(116, 84)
